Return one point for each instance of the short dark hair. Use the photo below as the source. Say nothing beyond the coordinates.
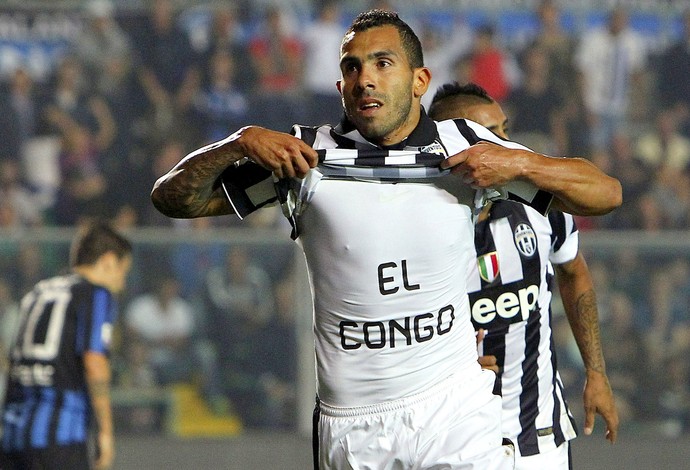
(95, 239)
(375, 18)
(469, 92)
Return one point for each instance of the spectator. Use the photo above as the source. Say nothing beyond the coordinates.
(626, 359)
(168, 71)
(674, 398)
(635, 212)
(670, 194)
(124, 161)
(220, 104)
(278, 57)
(14, 193)
(191, 261)
(28, 266)
(674, 92)
(666, 337)
(100, 41)
(322, 38)
(240, 309)
(167, 327)
(83, 192)
(559, 48)
(492, 67)
(86, 127)
(610, 62)
(670, 302)
(70, 102)
(228, 33)
(442, 49)
(663, 146)
(19, 113)
(541, 124)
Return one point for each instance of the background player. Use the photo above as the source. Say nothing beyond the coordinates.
(60, 373)
(510, 294)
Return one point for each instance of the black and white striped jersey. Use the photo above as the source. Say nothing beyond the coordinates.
(386, 257)
(510, 289)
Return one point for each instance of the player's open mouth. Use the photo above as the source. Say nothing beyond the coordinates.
(369, 107)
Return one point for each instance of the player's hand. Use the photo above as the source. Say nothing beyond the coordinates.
(106, 451)
(486, 165)
(598, 398)
(487, 362)
(284, 154)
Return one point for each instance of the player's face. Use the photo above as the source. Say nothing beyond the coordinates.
(489, 115)
(118, 271)
(380, 90)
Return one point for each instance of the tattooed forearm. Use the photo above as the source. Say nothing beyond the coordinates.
(580, 303)
(585, 326)
(188, 190)
(180, 194)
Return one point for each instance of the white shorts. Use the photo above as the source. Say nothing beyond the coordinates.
(556, 459)
(455, 424)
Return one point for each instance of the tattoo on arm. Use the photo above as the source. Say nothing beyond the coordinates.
(585, 325)
(192, 193)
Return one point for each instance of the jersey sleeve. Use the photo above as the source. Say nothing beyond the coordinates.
(99, 316)
(248, 187)
(564, 237)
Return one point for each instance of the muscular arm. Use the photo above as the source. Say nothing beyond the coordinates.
(188, 190)
(579, 301)
(98, 376)
(579, 186)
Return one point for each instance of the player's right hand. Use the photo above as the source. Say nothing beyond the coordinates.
(284, 154)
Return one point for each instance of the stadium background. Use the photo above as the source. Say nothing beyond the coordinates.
(640, 256)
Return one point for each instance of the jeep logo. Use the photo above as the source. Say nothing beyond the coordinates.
(508, 305)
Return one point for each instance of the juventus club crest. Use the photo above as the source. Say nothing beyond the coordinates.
(525, 240)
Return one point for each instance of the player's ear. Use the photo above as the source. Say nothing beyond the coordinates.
(421, 80)
(339, 86)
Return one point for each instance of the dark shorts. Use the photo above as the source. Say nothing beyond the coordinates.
(72, 457)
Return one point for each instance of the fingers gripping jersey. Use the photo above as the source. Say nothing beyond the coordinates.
(510, 296)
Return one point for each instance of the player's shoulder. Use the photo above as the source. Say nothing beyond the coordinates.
(560, 219)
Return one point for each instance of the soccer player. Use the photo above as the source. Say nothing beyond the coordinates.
(398, 382)
(518, 251)
(59, 382)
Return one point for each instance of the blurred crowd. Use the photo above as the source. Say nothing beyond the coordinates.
(135, 90)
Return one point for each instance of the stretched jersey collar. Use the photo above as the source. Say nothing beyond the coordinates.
(347, 136)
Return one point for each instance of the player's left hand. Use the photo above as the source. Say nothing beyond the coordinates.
(598, 398)
(486, 362)
(486, 165)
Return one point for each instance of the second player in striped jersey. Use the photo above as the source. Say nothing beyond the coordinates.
(518, 253)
